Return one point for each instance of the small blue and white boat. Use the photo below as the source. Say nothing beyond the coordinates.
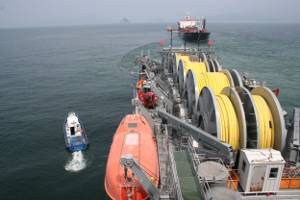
(75, 136)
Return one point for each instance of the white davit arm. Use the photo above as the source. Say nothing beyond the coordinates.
(128, 162)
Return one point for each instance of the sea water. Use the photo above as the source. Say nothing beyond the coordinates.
(76, 162)
(46, 72)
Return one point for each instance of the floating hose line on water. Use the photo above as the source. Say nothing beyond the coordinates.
(229, 121)
(265, 121)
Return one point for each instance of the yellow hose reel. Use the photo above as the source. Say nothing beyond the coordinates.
(183, 68)
(264, 118)
(196, 81)
(271, 124)
(223, 116)
(218, 102)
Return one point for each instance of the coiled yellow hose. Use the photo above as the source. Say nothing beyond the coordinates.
(196, 71)
(196, 67)
(229, 121)
(199, 65)
(188, 64)
(265, 121)
(179, 57)
(216, 81)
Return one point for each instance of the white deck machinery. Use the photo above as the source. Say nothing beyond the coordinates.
(220, 135)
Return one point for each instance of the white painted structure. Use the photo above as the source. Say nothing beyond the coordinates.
(73, 127)
(188, 22)
(260, 170)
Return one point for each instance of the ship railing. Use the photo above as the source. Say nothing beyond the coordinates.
(187, 144)
(205, 188)
(231, 182)
(188, 50)
(174, 173)
(208, 51)
(284, 195)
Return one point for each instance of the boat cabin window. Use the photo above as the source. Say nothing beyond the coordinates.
(72, 129)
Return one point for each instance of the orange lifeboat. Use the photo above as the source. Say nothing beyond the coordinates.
(134, 137)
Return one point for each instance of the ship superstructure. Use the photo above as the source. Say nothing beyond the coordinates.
(193, 29)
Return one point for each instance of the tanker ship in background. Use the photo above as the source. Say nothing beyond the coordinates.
(193, 30)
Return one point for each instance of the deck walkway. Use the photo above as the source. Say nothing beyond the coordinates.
(188, 181)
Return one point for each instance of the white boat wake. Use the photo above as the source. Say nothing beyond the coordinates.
(77, 163)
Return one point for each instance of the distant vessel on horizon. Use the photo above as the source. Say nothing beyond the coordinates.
(193, 29)
(124, 20)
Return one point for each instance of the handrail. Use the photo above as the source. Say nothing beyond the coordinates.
(175, 175)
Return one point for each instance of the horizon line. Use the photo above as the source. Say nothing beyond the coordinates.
(147, 22)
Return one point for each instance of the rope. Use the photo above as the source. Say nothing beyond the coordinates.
(265, 121)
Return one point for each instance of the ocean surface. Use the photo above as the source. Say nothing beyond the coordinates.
(47, 72)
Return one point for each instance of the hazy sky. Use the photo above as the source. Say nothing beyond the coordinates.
(19, 13)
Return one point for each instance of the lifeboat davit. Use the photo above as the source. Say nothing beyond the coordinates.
(134, 136)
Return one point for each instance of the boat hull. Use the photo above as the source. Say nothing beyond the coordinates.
(133, 137)
(195, 36)
(80, 147)
(78, 142)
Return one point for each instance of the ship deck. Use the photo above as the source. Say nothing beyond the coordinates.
(188, 181)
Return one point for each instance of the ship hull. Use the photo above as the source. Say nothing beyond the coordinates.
(133, 137)
(194, 36)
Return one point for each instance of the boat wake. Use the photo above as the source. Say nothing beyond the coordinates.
(76, 163)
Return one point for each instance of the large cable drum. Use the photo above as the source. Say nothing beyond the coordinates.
(178, 58)
(217, 65)
(183, 69)
(211, 62)
(251, 116)
(264, 118)
(202, 56)
(195, 81)
(236, 77)
(216, 81)
(174, 70)
(192, 89)
(271, 124)
(175, 66)
(223, 116)
(212, 65)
